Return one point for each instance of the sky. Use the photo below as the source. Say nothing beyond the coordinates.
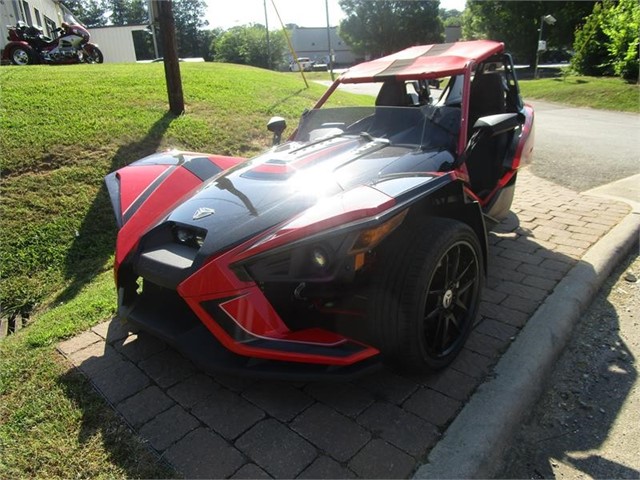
(304, 13)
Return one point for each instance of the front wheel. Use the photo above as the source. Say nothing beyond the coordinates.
(21, 55)
(94, 55)
(425, 298)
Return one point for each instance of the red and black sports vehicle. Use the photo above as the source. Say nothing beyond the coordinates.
(360, 239)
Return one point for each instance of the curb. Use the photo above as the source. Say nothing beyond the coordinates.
(474, 444)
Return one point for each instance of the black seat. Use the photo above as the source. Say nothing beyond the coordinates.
(487, 97)
(393, 94)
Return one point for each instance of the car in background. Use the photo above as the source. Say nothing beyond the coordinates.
(305, 63)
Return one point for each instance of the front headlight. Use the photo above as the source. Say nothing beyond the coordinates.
(334, 255)
(188, 236)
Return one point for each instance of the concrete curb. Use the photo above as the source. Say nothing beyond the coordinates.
(475, 442)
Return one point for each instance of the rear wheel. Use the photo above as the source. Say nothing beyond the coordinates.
(21, 55)
(426, 295)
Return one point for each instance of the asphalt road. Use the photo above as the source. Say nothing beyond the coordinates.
(582, 148)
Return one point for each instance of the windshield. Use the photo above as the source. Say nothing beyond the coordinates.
(426, 127)
(68, 17)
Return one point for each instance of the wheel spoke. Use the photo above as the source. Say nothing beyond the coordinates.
(445, 260)
(456, 262)
(433, 314)
(466, 286)
(441, 327)
(461, 305)
(464, 272)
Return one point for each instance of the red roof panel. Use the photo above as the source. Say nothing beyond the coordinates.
(426, 61)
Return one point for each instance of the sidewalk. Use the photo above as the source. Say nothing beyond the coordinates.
(381, 426)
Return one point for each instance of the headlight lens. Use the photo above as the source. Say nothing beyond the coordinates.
(334, 255)
(191, 237)
(319, 258)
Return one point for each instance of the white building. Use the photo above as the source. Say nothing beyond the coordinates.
(313, 42)
(116, 43)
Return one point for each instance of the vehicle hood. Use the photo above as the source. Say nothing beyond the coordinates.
(274, 187)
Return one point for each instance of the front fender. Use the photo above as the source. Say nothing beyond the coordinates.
(9, 46)
(147, 190)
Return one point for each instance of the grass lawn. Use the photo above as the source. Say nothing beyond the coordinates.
(605, 93)
(62, 129)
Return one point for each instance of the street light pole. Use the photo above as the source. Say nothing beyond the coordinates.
(550, 19)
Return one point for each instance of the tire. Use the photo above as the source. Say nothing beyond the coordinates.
(22, 55)
(426, 294)
(93, 56)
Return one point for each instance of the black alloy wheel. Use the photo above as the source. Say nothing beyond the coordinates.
(426, 294)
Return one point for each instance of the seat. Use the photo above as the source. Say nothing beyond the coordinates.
(393, 94)
(484, 163)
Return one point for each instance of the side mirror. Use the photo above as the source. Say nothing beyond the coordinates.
(277, 126)
(490, 126)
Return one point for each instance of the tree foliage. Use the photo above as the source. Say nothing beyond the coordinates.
(380, 27)
(591, 46)
(92, 13)
(191, 38)
(517, 24)
(247, 45)
(621, 24)
(451, 18)
(127, 12)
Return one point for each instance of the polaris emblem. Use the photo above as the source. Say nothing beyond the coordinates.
(203, 212)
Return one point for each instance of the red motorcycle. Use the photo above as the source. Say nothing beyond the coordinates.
(28, 45)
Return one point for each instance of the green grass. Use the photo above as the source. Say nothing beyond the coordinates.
(62, 130)
(606, 93)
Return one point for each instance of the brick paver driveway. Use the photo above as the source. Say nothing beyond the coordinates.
(382, 425)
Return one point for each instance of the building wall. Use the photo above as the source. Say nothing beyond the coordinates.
(44, 13)
(452, 34)
(312, 42)
(116, 43)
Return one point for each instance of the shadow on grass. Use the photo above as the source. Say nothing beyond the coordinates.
(95, 239)
(284, 100)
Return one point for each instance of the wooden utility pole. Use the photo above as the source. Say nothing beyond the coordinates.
(164, 12)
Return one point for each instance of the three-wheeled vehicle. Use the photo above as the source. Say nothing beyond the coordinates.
(361, 239)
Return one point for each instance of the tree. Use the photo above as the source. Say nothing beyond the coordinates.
(188, 14)
(451, 18)
(247, 45)
(91, 13)
(380, 27)
(608, 42)
(128, 12)
(209, 38)
(591, 46)
(517, 23)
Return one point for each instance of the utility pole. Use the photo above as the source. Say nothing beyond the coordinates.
(326, 6)
(170, 53)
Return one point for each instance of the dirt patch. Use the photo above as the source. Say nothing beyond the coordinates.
(587, 423)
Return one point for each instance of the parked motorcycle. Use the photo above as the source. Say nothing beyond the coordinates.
(28, 45)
